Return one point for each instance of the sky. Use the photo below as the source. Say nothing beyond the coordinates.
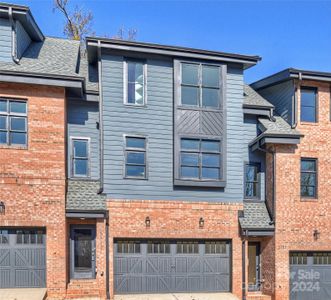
(285, 34)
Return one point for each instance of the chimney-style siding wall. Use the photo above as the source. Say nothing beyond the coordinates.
(5, 40)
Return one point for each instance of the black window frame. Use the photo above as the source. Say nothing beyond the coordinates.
(124, 247)
(73, 157)
(199, 154)
(12, 115)
(135, 150)
(257, 181)
(315, 91)
(315, 160)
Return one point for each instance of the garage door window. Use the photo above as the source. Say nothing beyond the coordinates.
(298, 258)
(215, 247)
(158, 247)
(4, 237)
(29, 237)
(323, 258)
(128, 247)
(187, 247)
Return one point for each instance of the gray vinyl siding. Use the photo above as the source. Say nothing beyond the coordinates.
(281, 96)
(249, 133)
(82, 122)
(23, 39)
(5, 40)
(156, 122)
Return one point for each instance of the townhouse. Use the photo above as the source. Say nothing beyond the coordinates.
(136, 168)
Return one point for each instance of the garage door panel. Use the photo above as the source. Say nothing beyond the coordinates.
(158, 284)
(4, 278)
(157, 265)
(4, 258)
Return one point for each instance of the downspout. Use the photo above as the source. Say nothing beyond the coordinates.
(107, 257)
(244, 266)
(100, 119)
(13, 35)
(295, 104)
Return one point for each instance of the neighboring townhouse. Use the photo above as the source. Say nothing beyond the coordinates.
(132, 168)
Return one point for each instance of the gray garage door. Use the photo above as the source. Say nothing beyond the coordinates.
(22, 258)
(171, 266)
(310, 275)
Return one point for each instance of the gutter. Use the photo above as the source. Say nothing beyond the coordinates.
(13, 36)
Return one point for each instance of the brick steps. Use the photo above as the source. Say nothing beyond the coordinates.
(78, 289)
(257, 296)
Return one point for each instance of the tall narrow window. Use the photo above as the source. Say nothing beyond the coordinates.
(200, 85)
(135, 157)
(308, 177)
(13, 122)
(135, 82)
(308, 105)
(200, 159)
(80, 157)
(251, 181)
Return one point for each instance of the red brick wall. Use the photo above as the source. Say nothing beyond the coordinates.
(297, 218)
(176, 219)
(32, 180)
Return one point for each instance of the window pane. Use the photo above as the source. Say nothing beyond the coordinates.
(17, 107)
(80, 148)
(135, 72)
(136, 158)
(210, 160)
(18, 124)
(190, 95)
(3, 105)
(251, 189)
(210, 173)
(81, 167)
(251, 173)
(18, 138)
(3, 123)
(190, 144)
(210, 76)
(190, 172)
(190, 74)
(308, 97)
(135, 171)
(308, 165)
(308, 179)
(308, 114)
(307, 191)
(135, 142)
(189, 159)
(210, 97)
(3, 137)
(210, 146)
(136, 93)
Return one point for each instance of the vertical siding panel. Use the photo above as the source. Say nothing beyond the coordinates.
(23, 39)
(5, 40)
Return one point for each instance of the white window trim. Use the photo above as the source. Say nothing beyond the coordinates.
(125, 83)
(88, 139)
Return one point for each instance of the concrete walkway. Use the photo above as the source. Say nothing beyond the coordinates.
(22, 294)
(179, 296)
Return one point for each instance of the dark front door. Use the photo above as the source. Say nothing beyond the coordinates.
(82, 241)
(253, 266)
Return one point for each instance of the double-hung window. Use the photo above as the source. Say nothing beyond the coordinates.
(80, 157)
(200, 85)
(135, 157)
(252, 183)
(309, 177)
(13, 122)
(308, 105)
(135, 82)
(200, 159)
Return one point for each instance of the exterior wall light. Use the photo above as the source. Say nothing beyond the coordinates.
(316, 234)
(148, 222)
(201, 222)
(2, 208)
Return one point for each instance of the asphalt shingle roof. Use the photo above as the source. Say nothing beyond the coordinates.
(278, 126)
(82, 195)
(255, 216)
(252, 98)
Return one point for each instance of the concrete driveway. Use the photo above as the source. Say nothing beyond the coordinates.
(22, 294)
(179, 296)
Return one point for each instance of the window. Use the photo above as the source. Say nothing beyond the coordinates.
(162, 247)
(187, 247)
(322, 258)
(308, 177)
(308, 104)
(200, 85)
(4, 237)
(200, 159)
(215, 247)
(251, 181)
(13, 122)
(128, 247)
(80, 157)
(135, 82)
(135, 157)
(29, 237)
(298, 258)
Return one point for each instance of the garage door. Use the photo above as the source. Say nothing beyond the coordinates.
(310, 277)
(171, 266)
(22, 258)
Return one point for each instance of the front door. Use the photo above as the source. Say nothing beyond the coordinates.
(253, 266)
(82, 244)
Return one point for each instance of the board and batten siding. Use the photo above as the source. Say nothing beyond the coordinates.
(282, 97)
(5, 40)
(82, 122)
(22, 38)
(155, 121)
